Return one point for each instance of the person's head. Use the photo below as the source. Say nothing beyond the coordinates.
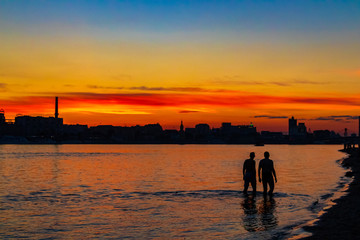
(266, 154)
(252, 155)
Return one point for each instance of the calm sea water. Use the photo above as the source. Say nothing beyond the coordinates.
(160, 191)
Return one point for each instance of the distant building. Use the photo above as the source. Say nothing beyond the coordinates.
(2, 117)
(73, 130)
(272, 137)
(326, 136)
(103, 131)
(302, 129)
(295, 129)
(228, 129)
(153, 129)
(38, 126)
(238, 133)
(190, 133)
(202, 130)
(171, 135)
(322, 135)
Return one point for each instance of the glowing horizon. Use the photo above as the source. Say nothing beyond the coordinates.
(143, 62)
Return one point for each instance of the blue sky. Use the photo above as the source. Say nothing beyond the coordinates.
(294, 15)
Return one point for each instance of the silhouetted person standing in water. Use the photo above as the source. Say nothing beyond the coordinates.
(267, 167)
(249, 173)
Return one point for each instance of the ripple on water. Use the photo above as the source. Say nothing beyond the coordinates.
(157, 191)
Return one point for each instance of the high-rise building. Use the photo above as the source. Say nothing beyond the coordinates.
(293, 129)
(296, 130)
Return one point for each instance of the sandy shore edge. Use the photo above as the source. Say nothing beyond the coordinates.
(342, 221)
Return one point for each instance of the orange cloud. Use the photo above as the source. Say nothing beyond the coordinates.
(170, 107)
(44, 104)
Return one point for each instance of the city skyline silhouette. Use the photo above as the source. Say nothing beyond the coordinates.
(42, 129)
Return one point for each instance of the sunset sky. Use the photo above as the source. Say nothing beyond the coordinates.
(138, 62)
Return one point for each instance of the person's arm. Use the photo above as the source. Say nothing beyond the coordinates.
(255, 168)
(273, 170)
(259, 171)
(244, 170)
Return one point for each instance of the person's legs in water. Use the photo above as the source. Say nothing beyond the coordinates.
(246, 186)
(268, 179)
(264, 181)
(271, 185)
(253, 185)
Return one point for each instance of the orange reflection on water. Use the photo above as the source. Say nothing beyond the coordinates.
(155, 191)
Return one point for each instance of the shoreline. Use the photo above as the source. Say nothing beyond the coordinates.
(342, 220)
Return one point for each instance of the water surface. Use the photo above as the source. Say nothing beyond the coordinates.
(159, 191)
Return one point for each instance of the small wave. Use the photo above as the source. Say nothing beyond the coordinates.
(322, 204)
(87, 194)
(327, 196)
(211, 194)
(60, 154)
(36, 193)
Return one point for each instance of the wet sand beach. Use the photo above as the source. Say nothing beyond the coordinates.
(342, 221)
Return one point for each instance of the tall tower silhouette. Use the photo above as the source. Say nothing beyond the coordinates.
(56, 107)
(181, 127)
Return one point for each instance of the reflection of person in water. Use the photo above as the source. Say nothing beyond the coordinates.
(251, 222)
(259, 216)
(249, 173)
(266, 167)
(266, 211)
